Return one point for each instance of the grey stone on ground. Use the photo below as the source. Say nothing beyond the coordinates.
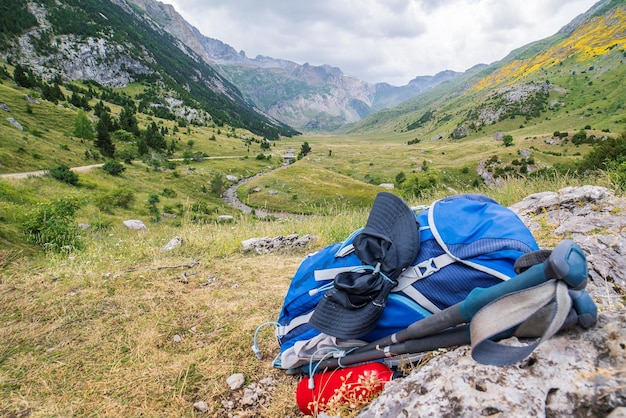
(267, 245)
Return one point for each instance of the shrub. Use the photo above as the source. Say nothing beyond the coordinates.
(121, 197)
(51, 226)
(64, 174)
(113, 167)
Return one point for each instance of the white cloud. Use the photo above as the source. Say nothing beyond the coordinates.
(378, 40)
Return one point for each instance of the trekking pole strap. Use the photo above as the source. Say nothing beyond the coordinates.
(510, 311)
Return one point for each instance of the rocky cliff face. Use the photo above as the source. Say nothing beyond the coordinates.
(115, 44)
(579, 373)
(79, 58)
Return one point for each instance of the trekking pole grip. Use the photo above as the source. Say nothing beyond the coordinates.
(567, 262)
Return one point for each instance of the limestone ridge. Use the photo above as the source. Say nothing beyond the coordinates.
(303, 96)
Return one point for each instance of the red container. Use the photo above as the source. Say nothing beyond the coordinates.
(352, 385)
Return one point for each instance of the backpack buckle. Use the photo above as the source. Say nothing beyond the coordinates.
(433, 265)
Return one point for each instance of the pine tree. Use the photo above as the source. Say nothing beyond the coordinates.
(103, 137)
(128, 120)
(20, 76)
(82, 126)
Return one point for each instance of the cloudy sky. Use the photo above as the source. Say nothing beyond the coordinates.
(381, 40)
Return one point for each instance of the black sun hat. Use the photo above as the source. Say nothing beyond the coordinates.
(388, 244)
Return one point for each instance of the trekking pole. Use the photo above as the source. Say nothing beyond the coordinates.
(583, 313)
(567, 262)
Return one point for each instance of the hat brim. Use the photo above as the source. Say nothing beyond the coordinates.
(332, 318)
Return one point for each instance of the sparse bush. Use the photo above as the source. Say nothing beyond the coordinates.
(51, 226)
(117, 198)
(218, 184)
(167, 192)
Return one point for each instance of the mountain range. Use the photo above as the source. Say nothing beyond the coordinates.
(307, 97)
(190, 75)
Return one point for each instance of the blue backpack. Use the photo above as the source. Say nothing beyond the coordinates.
(466, 241)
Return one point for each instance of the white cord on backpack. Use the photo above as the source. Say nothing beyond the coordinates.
(255, 346)
(313, 369)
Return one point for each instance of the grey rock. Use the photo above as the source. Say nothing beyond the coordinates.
(594, 218)
(135, 224)
(15, 123)
(236, 381)
(575, 373)
(173, 243)
(201, 406)
(266, 245)
(225, 218)
(5, 107)
(32, 100)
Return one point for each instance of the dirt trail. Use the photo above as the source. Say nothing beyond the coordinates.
(42, 172)
(230, 197)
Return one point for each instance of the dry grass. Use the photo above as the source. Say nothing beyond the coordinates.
(108, 334)
(116, 330)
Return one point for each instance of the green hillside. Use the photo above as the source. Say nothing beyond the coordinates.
(577, 81)
(158, 60)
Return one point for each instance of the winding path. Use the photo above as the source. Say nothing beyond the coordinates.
(230, 197)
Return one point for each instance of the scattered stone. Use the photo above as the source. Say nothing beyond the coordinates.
(32, 100)
(236, 381)
(230, 405)
(201, 406)
(232, 178)
(5, 107)
(273, 192)
(174, 242)
(166, 215)
(389, 186)
(252, 395)
(15, 123)
(257, 190)
(135, 224)
(266, 245)
(499, 136)
(84, 227)
(225, 218)
(177, 338)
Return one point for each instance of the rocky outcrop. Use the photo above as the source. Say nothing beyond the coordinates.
(580, 373)
(595, 219)
(267, 245)
(577, 374)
